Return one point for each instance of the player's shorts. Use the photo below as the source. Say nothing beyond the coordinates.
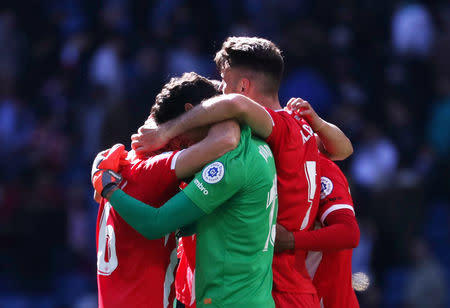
(295, 300)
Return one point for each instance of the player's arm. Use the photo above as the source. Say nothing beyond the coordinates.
(210, 111)
(341, 231)
(222, 137)
(181, 210)
(332, 142)
(152, 222)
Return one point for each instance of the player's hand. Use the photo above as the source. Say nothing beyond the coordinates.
(284, 239)
(304, 109)
(150, 137)
(97, 197)
(104, 181)
(111, 159)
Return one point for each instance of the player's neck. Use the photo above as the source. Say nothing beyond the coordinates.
(271, 102)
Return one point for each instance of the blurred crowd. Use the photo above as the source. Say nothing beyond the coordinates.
(77, 76)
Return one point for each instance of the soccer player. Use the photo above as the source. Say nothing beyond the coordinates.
(329, 260)
(252, 68)
(233, 201)
(133, 271)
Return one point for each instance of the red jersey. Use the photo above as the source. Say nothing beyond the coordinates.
(133, 271)
(185, 277)
(296, 156)
(332, 270)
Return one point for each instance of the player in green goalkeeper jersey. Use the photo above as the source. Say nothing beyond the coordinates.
(233, 201)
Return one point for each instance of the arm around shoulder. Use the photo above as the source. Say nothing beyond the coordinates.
(249, 112)
(214, 110)
(222, 138)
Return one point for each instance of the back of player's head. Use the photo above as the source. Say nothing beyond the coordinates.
(189, 88)
(253, 54)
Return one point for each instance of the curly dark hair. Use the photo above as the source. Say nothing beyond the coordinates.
(254, 54)
(189, 88)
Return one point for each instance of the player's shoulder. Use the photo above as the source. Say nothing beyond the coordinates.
(156, 158)
(253, 140)
(286, 123)
(246, 131)
(245, 140)
(293, 122)
(163, 162)
(234, 161)
(331, 177)
(164, 156)
(281, 114)
(328, 167)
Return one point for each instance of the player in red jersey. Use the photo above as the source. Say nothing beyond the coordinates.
(125, 259)
(252, 69)
(131, 270)
(329, 260)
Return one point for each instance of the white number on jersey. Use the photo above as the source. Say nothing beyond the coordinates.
(271, 202)
(265, 151)
(106, 253)
(310, 172)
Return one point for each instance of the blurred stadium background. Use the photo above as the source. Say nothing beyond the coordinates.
(78, 76)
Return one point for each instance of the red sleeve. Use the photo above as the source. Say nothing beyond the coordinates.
(341, 232)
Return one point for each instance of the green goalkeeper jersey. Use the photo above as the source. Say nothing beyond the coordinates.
(235, 239)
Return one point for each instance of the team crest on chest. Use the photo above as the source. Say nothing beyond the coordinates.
(326, 187)
(213, 173)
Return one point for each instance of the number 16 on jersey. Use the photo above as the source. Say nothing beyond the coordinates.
(272, 204)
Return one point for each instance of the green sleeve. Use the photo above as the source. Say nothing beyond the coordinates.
(217, 182)
(152, 222)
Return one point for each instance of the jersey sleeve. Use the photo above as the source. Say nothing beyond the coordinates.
(341, 232)
(217, 182)
(334, 192)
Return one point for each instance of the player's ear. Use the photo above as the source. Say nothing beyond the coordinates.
(244, 86)
(188, 106)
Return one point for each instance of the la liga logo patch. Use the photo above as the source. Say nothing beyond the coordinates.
(326, 187)
(213, 173)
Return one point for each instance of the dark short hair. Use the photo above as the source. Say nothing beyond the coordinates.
(189, 88)
(254, 54)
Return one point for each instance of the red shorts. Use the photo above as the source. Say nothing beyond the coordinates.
(295, 300)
